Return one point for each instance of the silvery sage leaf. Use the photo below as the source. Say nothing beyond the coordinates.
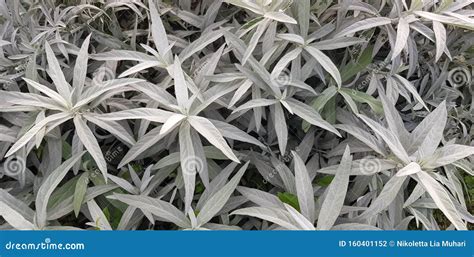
(385, 198)
(80, 69)
(113, 127)
(56, 119)
(159, 208)
(326, 63)
(390, 139)
(48, 186)
(98, 217)
(280, 16)
(281, 129)
(335, 193)
(363, 25)
(14, 218)
(441, 198)
(301, 220)
(56, 74)
(410, 169)
(171, 123)
(394, 120)
(47, 91)
(15, 212)
(310, 115)
(219, 199)
(426, 137)
(447, 155)
(190, 163)
(403, 30)
(440, 35)
(80, 192)
(259, 197)
(150, 114)
(277, 216)
(212, 134)
(158, 32)
(304, 188)
(181, 89)
(90, 143)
